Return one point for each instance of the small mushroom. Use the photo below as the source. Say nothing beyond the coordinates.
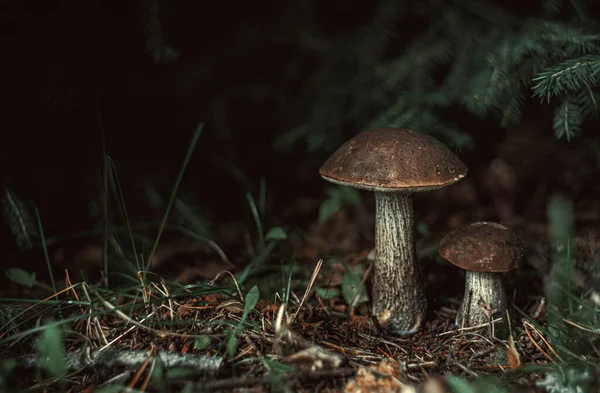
(394, 163)
(484, 250)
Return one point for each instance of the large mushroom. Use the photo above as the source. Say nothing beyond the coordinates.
(485, 250)
(394, 164)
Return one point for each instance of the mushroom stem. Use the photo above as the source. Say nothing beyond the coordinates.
(398, 298)
(481, 286)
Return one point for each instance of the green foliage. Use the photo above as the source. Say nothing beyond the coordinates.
(353, 290)
(202, 342)
(255, 262)
(257, 220)
(275, 369)
(258, 210)
(21, 277)
(276, 233)
(127, 251)
(546, 58)
(44, 248)
(186, 160)
(572, 316)
(20, 220)
(551, 7)
(158, 376)
(112, 388)
(473, 55)
(568, 76)
(250, 302)
(266, 242)
(337, 197)
(567, 119)
(180, 372)
(7, 367)
(479, 385)
(189, 215)
(327, 293)
(569, 378)
(561, 238)
(51, 351)
(156, 44)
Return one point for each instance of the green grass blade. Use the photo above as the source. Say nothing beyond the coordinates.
(262, 198)
(257, 260)
(123, 209)
(186, 161)
(257, 221)
(46, 256)
(104, 194)
(288, 287)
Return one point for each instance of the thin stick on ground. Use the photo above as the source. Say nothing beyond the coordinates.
(470, 328)
(120, 336)
(414, 366)
(212, 282)
(76, 360)
(237, 382)
(466, 369)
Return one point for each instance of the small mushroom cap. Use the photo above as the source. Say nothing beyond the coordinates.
(483, 247)
(391, 160)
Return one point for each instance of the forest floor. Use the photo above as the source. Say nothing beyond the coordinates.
(289, 310)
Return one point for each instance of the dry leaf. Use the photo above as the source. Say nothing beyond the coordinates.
(315, 358)
(434, 385)
(381, 377)
(514, 360)
(232, 306)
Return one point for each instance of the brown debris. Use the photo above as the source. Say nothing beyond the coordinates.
(381, 377)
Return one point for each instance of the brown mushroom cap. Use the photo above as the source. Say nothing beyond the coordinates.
(483, 247)
(392, 159)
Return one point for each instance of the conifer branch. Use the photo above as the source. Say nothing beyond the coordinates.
(567, 119)
(489, 60)
(588, 100)
(568, 76)
(156, 43)
(513, 110)
(552, 7)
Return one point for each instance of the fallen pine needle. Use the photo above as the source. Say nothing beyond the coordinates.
(139, 372)
(584, 328)
(546, 355)
(543, 339)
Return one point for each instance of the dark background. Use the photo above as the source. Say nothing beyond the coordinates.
(71, 69)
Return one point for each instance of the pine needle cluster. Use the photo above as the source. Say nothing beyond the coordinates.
(474, 55)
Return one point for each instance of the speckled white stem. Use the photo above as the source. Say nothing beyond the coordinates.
(398, 297)
(481, 286)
